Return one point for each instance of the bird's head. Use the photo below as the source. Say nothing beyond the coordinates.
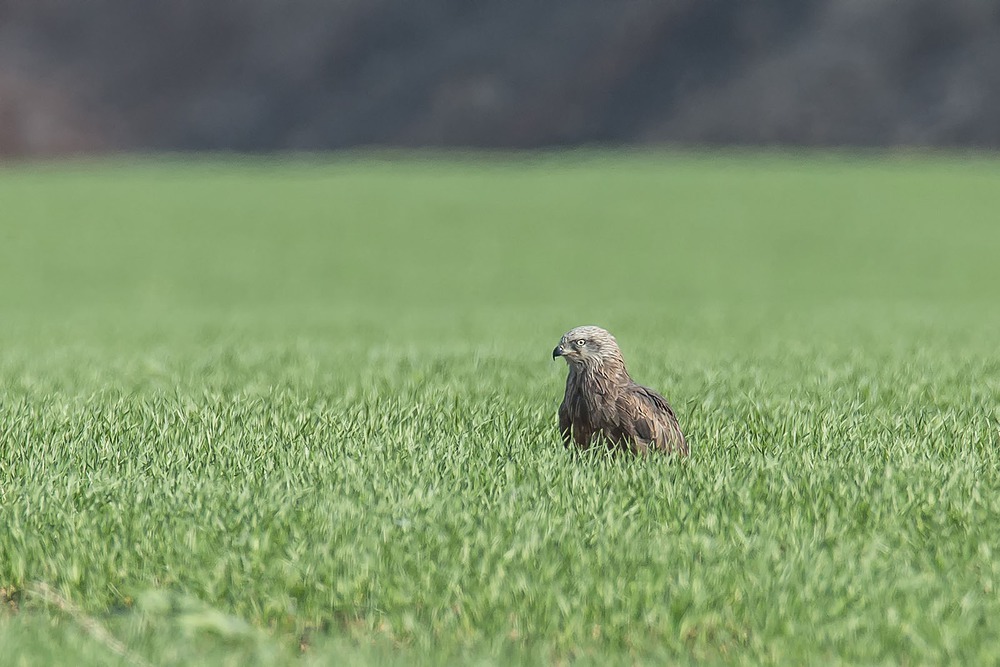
(587, 346)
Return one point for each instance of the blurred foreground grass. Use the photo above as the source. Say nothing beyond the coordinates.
(250, 409)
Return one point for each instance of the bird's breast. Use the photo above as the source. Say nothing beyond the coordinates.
(591, 400)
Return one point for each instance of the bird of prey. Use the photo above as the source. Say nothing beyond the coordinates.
(604, 404)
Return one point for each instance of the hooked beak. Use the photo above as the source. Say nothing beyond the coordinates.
(558, 352)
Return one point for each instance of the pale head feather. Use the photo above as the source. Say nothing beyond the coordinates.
(589, 346)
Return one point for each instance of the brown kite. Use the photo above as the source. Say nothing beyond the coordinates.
(604, 404)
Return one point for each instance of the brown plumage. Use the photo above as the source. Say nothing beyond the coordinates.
(603, 403)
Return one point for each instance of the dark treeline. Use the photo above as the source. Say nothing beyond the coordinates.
(263, 75)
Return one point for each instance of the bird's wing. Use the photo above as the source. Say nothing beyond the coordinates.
(651, 421)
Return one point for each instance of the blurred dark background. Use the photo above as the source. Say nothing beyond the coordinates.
(263, 75)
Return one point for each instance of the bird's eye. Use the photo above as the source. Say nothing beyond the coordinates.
(581, 343)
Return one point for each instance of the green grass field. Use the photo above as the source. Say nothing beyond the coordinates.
(303, 411)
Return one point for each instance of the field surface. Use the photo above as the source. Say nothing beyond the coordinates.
(303, 411)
